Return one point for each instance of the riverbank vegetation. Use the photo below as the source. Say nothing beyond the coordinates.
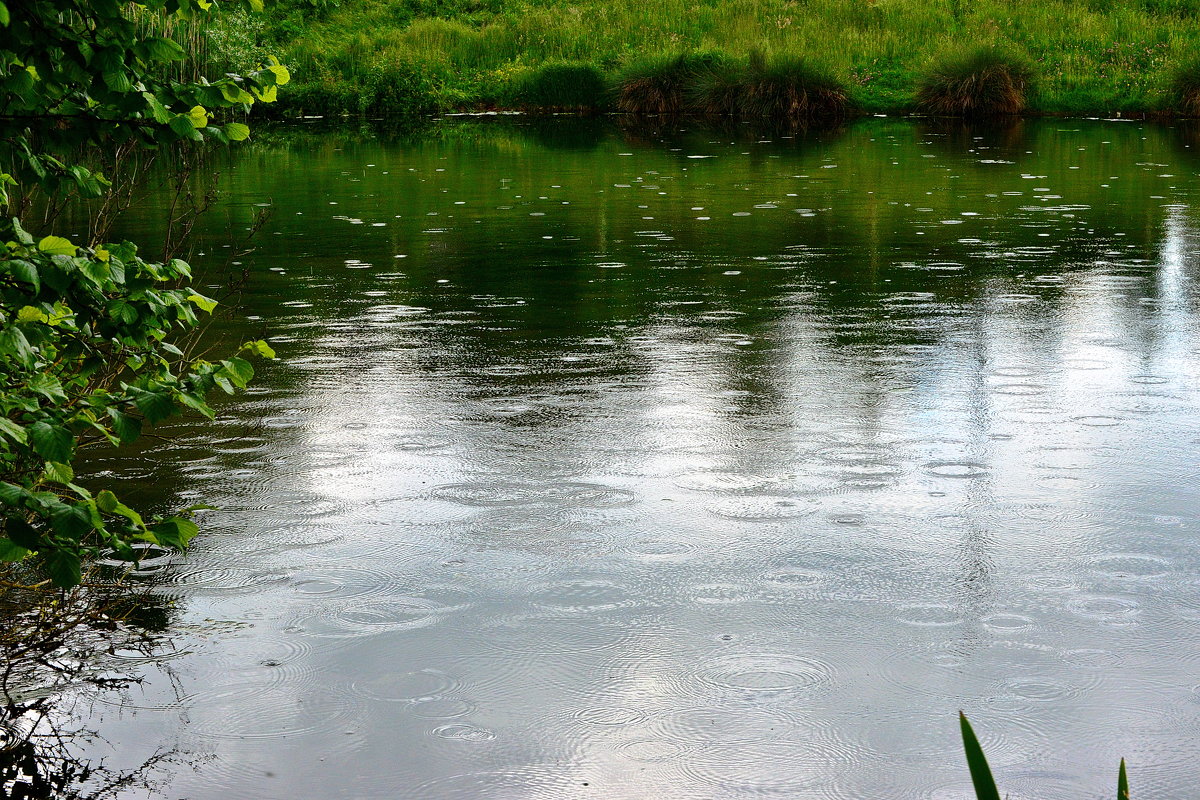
(94, 339)
(417, 56)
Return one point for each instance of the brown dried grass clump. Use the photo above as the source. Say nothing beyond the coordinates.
(979, 83)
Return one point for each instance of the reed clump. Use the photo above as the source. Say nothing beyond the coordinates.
(717, 85)
(986, 81)
(661, 86)
(1184, 90)
(790, 88)
(563, 85)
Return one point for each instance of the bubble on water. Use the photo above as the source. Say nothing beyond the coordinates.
(610, 716)
(764, 508)
(727, 482)
(930, 615)
(955, 469)
(1111, 610)
(1135, 566)
(1007, 622)
(464, 733)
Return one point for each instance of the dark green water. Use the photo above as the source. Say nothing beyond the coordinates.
(610, 464)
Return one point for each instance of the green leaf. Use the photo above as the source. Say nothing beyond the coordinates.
(1122, 783)
(236, 131)
(4, 17)
(175, 532)
(48, 387)
(981, 773)
(57, 246)
(235, 94)
(260, 347)
(282, 76)
(12, 495)
(205, 303)
(11, 551)
(58, 473)
(22, 533)
(13, 431)
(25, 271)
(239, 370)
(52, 442)
(63, 567)
(163, 49)
(195, 403)
(14, 345)
(71, 521)
(182, 125)
(107, 502)
(126, 427)
(31, 314)
(156, 406)
(198, 116)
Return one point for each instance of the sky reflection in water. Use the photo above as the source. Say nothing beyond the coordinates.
(603, 463)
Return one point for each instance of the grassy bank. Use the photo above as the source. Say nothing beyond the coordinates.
(1084, 56)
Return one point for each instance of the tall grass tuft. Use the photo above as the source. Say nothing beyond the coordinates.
(563, 85)
(718, 90)
(1184, 89)
(983, 82)
(789, 88)
(661, 85)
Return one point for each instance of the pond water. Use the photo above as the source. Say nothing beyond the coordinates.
(609, 463)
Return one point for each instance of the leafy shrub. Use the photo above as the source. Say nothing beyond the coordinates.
(983, 82)
(326, 99)
(1184, 90)
(398, 87)
(86, 358)
(562, 85)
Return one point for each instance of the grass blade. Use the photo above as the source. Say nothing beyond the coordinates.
(1122, 783)
(981, 773)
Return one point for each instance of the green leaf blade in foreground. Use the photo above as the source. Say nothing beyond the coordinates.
(1122, 783)
(981, 773)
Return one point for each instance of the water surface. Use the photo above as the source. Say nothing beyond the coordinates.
(695, 464)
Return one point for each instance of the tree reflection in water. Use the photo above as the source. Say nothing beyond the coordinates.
(61, 650)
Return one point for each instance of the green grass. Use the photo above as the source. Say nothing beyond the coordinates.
(1088, 56)
(562, 85)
